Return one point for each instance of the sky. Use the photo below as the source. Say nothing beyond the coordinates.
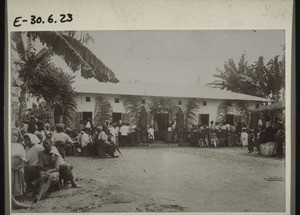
(183, 57)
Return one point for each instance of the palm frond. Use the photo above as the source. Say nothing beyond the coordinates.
(192, 108)
(135, 108)
(223, 109)
(75, 54)
(103, 111)
(243, 109)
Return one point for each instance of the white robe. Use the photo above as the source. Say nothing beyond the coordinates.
(244, 138)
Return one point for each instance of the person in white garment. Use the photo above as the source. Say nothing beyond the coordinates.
(151, 134)
(124, 130)
(244, 137)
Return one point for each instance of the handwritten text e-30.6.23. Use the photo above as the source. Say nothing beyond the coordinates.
(35, 20)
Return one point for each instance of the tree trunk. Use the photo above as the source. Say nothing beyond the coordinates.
(22, 100)
(51, 114)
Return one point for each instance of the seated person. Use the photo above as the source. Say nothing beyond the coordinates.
(18, 159)
(85, 141)
(31, 168)
(61, 139)
(106, 143)
(52, 169)
(49, 166)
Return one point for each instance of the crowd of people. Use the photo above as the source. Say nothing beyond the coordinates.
(218, 135)
(37, 166)
(39, 152)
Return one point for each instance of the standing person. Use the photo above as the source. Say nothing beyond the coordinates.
(169, 134)
(205, 136)
(31, 168)
(210, 128)
(124, 134)
(60, 139)
(280, 139)
(259, 137)
(244, 137)
(18, 159)
(116, 130)
(270, 133)
(151, 134)
(251, 141)
(112, 130)
(199, 135)
(238, 132)
(40, 129)
(132, 135)
(213, 137)
(32, 125)
(230, 137)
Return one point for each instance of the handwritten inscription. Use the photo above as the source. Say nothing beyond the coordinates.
(39, 20)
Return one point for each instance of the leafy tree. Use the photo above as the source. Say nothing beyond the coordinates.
(65, 44)
(45, 81)
(258, 79)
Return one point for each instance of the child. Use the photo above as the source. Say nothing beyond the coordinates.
(244, 137)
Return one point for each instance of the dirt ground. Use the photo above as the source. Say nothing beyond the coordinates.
(168, 178)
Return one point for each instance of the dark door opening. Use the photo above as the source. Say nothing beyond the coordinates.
(162, 121)
(86, 116)
(204, 119)
(116, 117)
(229, 119)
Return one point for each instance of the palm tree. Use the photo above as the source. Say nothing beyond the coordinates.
(135, 107)
(64, 44)
(227, 106)
(103, 111)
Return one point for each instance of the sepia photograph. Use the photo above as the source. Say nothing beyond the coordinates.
(139, 121)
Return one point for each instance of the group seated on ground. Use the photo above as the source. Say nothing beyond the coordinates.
(37, 167)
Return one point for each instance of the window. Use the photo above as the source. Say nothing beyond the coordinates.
(87, 99)
(204, 103)
(179, 102)
(117, 100)
(143, 101)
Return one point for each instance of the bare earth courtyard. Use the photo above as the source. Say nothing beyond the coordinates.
(167, 178)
